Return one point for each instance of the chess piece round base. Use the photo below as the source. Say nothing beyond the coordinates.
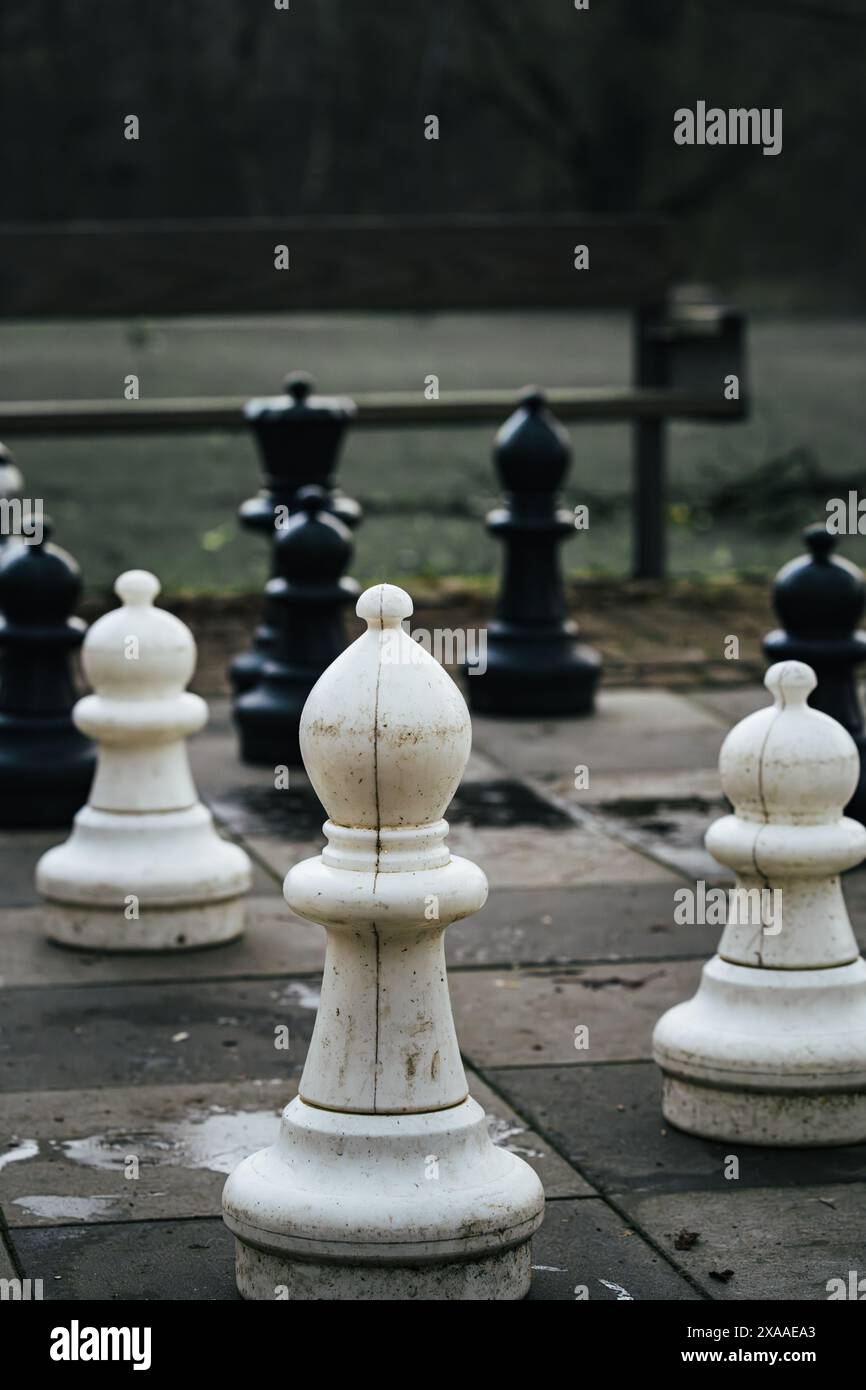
(765, 1118)
(112, 859)
(156, 929)
(45, 772)
(349, 1206)
(502, 1277)
(768, 1057)
(525, 678)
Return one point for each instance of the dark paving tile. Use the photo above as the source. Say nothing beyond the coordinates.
(549, 926)
(766, 1243)
(136, 1262)
(671, 829)
(584, 1245)
(607, 1121)
(19, 853)
(295, 812)
(57, 1039)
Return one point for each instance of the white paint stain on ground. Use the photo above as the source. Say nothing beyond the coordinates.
(621, 1293)
(219, 1141)
(52, 1208)
(502, 1130)
(298, 992)
(27, 1148)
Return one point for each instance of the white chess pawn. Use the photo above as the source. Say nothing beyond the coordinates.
(144, 868)
(11, 487)
(384, 1183)
(772, 1048)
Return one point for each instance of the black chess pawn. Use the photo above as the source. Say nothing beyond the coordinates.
(534, 662)
(46, 764)
(819, 600)
(305, 601)
(298, 437)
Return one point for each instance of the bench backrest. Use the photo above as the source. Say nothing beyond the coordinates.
(102, 269)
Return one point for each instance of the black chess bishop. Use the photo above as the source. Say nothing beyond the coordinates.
(535, 664)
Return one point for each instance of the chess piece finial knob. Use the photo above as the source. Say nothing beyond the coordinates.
(139, 651)
(137, 588)
(385, 733)
(532, 449)
(385, 605)
(299, 386)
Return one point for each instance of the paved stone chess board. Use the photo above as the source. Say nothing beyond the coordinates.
(167, 1067)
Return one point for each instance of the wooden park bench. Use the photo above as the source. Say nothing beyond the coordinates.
(684, 346)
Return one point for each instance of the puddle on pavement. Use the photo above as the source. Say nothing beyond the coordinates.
(217, 1141)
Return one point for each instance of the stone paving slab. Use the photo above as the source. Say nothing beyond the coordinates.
(765, 1243)
(731, 704)
(672, 832)
(17, 863)
(580, 1243)
(65, 1156)
(525, 926)
(516, 926)
(115, 1035)
(140, 1262)
(674, 734)
(585, 1246)
(607, 1121)
(7, 1268)
(275, 943)
(295, 813)
(686, 784)
(520, 857)
(618, 1004)
(68, 1153)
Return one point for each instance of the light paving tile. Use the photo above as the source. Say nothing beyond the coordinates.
(522, 857)
(528, 1017)
(275, 942)
(632, 730)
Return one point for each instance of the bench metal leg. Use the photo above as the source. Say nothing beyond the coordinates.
(649, 483)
